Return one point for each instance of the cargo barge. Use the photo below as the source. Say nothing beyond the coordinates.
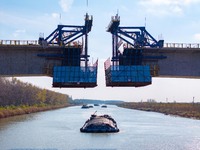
(100, 124)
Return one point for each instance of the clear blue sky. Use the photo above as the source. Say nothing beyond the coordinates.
(177, 20)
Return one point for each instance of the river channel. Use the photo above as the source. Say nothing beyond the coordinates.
(60, 130)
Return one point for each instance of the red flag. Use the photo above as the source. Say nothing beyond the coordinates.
(95, 64)
(107, 64)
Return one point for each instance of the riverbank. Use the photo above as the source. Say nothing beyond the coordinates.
(188, 110)
(24, 109)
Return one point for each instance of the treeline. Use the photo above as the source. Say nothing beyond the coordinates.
(14, 92)
(189, 110)
(92, 101)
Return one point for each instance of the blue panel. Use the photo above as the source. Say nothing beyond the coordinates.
(74, 74)
(129, 74)
(133, 79)
(133, 67)
(133, 73)
(140, 78)
(55, 69)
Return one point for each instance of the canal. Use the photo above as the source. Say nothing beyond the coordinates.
(59, 130)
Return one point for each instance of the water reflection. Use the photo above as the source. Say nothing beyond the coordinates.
(7, 122)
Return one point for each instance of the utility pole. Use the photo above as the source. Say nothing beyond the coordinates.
(193, 100)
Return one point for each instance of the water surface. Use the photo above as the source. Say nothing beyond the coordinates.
(60, 130)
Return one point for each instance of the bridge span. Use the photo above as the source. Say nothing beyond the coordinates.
(62, 56)
(21, 58)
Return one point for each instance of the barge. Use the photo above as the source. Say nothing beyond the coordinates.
(100, 124)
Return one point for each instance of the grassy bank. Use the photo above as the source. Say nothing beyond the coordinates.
(24, 109)
(189, 110)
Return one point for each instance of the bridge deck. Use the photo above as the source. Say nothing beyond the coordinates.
(22, 60)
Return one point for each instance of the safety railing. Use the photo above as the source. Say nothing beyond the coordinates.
(76, 44)
(182, 45)
(18, 42)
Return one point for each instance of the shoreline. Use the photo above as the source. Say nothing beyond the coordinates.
(11, 111)
(186, 110)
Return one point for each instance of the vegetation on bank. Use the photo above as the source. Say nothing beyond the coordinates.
(9, 111)
(189, 110)
(18, 98)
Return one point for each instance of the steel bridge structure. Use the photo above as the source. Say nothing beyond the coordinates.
(62, 55)
(136, 58)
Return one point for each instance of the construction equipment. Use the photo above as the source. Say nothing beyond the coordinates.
(130, 66)
(73, 70)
